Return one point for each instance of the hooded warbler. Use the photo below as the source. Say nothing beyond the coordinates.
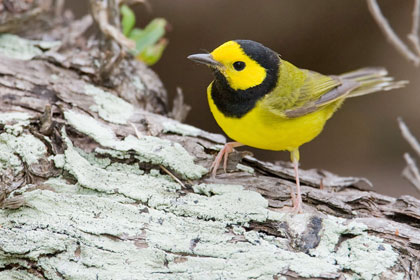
(263, 101)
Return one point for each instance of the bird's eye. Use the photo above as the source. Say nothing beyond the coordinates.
(239, 65)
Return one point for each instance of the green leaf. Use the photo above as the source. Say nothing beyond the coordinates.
(149, 36)
(153, 53)
(128, 20)
(135, 33)
(149, 41)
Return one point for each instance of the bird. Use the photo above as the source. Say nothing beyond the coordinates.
(263, 101)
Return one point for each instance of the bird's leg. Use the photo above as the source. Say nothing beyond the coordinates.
(297, 204)
(223, 153)
(297, 201)
(293, 195)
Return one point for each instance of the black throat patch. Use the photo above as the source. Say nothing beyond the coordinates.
(236, 103)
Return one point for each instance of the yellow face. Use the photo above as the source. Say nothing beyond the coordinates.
(241, 71)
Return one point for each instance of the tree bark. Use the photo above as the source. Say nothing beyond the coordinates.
(97, 182)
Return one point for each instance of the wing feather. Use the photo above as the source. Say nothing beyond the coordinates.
(314, 91)
(300, 92)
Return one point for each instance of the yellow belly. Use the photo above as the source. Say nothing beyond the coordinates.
(262, 129)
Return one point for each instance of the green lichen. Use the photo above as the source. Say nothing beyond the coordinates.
(28, 147)
(368, 256)
(8, 160)
(59, 224)
(333, 228)
(16, 146)
(180, 128)
(31, 243)
(15, 47)
(91, 127)
(117, 240)
(60, 185)
(147, 149)
(112, 153)
(139, 187)
(161, 151)
(15, 129)
(92, 158)
(17, 275)
(133, 169)
(59, 160)
(229, 203)
(379, 256)
(14, 122)
(19, 48)
(111, 221)
(245, 168)
(14, 117)
(109, 107)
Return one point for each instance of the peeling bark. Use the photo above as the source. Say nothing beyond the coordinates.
(85, 191)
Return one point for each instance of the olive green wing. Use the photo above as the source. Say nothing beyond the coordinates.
(303, 94)
(318, 91)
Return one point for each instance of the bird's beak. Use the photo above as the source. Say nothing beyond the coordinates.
(205, 58)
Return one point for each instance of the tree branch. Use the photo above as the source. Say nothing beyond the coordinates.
(411, 172)
(411, 139)
(414, 34)
(390, 34)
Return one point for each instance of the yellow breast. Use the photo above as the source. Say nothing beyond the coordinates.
(262, 129)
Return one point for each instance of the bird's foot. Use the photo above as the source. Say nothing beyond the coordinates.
(296, 203)
(223, 154)
(297, 207)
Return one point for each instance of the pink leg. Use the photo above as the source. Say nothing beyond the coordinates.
(223, 153)
(297, 201)
(293, 195)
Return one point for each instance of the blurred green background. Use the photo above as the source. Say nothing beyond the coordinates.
(328, 36)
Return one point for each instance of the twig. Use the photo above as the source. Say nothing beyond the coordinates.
(411, 172)
(138, 134)
(414, 34)
(59, 7)
(106, 15)
(406, 133)
(114, 13)
(390, 33)
(101, 15)
(172, 176)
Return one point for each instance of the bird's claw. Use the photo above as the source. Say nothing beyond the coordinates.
(222, 155)
(297, 208)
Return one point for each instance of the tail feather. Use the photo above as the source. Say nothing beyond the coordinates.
(371, 79)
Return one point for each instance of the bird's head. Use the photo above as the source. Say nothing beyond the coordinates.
(243, 63)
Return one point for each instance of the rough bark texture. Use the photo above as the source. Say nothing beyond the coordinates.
(88, 191)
